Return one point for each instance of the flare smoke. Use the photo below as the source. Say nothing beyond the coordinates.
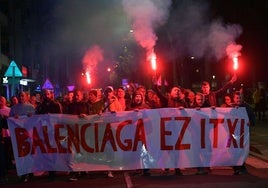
(146, 16)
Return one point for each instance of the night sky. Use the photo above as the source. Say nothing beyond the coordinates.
(63, 32)
(252, 16)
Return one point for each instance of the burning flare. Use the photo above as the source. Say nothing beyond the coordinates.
(90, 60)
(233, 51)
(88, 77)
(152, 58)
(235, 65)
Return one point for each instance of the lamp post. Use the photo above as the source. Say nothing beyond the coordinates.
(13, 81)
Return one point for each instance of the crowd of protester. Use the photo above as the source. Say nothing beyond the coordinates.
(97, 101)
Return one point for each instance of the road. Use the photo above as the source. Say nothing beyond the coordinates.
(218, 177)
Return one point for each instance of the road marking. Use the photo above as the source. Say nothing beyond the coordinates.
(128, 180)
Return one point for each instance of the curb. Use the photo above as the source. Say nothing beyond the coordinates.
(261, 157)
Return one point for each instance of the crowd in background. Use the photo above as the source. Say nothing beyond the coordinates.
(136, 97)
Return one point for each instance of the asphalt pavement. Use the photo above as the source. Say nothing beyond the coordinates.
(256, 163)
(259, 139)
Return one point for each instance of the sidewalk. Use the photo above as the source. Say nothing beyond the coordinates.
(259, 140)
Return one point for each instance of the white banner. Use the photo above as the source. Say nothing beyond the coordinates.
(158, 138)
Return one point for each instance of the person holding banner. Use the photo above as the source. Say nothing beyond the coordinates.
(23, 108)
(212, 96)
(13, 101)
(141, 89)
(107, 104)
(6, 153)
(95, 104)
(238, 102)
(80, 108)
(227, 100)
(49, 105)
(199, 103)
(153, 100)
(121, 95)
(190, 98)
(111, 101)
(210, 100)
(199, 100)
(67, 99)
(175, 99)
(137, 104)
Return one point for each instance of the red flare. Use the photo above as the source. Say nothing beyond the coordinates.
(153, 61)
(88, 77)
(235, 65)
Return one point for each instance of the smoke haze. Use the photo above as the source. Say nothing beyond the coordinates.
(83, 23)
(196, 34)
(92, 57)
(80, 25)
(146, 16)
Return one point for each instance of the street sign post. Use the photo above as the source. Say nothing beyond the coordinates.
(13, 74)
